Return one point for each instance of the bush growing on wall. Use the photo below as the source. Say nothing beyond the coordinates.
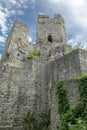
(62, 99)
(76, 117)
(30, 122)
(35, 54)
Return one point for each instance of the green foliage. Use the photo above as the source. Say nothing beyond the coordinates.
(10, 128)
(30, 122)
(46, 59)
(76, 117)
(62, 98)
(69, 119)
(42, 22)
(34, 55)
(45, 122)
(79, 125)
(82, 81)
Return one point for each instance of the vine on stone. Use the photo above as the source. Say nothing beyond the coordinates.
(76, 118)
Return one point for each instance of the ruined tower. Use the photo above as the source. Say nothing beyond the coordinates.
(17, 45)
(51, 29)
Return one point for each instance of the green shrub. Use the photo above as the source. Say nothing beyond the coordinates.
(79, 125)
(76, 117)
(10, 128)
(42, 22)
(62, 98)
(82, 84)
(30, 122)
(70, 118)
(33, 55)
(46, 59)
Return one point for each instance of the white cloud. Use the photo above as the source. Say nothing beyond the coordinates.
(55, 1)
(77, 39)
(74, 3)
(2, 39)
(33, 1)
(13, 2)
(77, 3)
(20, 12)
(78, 11)
(30, 39)
(4, 14)
(8, 9)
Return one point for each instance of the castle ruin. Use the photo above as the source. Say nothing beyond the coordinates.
(30, 83)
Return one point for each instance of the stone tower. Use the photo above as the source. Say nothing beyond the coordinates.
(51, 29)
(17, 45)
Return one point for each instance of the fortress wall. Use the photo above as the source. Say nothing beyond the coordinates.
(83, 61)
(9, 87)
(33, 87)
(23, 89)
(66, 69)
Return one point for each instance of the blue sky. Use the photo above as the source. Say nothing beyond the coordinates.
(73, 11)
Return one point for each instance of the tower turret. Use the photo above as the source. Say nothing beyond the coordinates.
(51, 29)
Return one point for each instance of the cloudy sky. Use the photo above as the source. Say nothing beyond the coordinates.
(73, 11)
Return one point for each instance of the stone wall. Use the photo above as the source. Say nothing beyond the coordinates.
(83, 61)
(66, 69)
(22, 89)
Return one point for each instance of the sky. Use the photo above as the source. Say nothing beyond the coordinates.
(74, 13)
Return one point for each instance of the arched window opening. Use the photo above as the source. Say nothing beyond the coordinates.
(50, 38)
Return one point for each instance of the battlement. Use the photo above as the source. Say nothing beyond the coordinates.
(47, 16)
(58, 16)
(43, 16)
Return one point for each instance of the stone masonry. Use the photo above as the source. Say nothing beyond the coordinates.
(30, 84)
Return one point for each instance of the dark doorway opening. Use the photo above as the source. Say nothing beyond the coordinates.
(50, 38)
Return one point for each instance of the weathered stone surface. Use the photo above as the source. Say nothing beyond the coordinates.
(30, 84)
